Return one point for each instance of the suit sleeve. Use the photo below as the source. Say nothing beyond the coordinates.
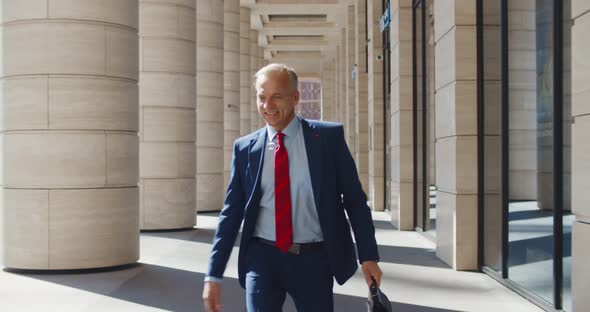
(355, 201)
(230, 220)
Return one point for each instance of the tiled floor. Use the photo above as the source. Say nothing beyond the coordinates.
(170, 273)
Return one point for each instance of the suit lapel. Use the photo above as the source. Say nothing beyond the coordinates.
(255, 157)
(313, 147)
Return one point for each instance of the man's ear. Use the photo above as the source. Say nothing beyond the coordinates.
(296, 96)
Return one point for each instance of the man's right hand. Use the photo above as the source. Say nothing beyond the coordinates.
(212, 297)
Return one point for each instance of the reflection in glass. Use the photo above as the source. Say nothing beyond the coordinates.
(492, 139)
(431, 189)
(568, 217)
(424, 118)
(418, 76)
(530, 219)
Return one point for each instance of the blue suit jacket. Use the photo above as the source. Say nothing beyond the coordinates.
(333, 173)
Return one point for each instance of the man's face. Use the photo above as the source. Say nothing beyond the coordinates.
(276, 99)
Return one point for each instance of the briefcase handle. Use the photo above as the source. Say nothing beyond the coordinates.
(374, 290)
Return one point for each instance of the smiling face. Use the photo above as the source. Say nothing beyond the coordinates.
(276, 99)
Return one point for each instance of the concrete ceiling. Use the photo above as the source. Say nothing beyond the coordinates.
(298, 32)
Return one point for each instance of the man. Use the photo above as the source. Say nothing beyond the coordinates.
(291, 183)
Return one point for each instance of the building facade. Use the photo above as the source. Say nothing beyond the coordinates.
(468, 121)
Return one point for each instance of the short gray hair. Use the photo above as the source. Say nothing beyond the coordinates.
(277, 68)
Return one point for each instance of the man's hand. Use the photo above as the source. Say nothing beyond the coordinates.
(371, 269)
(212, 297)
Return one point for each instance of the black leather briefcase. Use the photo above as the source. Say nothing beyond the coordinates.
(377, 301)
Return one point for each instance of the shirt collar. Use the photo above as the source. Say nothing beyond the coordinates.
(290, 131)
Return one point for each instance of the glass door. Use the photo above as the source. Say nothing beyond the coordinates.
(386, 112)
(526, 148)
(423, 118)
(419, 102)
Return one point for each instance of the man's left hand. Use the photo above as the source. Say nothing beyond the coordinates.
(371, 269)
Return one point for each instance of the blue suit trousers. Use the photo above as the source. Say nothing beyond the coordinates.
(271, 274)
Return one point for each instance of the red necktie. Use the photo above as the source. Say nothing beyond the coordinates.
(283, 225)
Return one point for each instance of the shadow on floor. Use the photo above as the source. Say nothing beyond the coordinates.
(154, 286)
(389, 254)
(179, 290)
(410, 256)
(383, 225)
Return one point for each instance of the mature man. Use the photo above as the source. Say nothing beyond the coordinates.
(291, 183)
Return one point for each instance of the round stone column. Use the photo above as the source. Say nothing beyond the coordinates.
(167, 114)
(361, 97)
(253, 69)
(69, 134)
(245, 77)
(375, 108)
(261, 62)
(231, 81)
(210, 188)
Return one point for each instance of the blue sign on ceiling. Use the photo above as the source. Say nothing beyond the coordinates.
(385, 19)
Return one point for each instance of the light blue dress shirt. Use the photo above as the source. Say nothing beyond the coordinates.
(306, 224)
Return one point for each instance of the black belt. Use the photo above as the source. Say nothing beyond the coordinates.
(295, 248)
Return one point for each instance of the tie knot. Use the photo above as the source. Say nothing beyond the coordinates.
(280, 137)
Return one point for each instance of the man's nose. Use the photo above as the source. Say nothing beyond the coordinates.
(269, 104)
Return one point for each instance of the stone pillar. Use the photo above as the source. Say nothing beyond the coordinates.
(376, 127)
(167, 115)
(456, 131)
(580, 66)
(254, 117)
(245, 77)
(361, 97)
(70, 149)
(402, 145)
(343, 105)
(337, 93)
(210, 188)
(260, 62)
(337, 84)
(350, 85)
(231, 81)
(327, 89)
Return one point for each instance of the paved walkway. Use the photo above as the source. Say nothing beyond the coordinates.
(169, 277)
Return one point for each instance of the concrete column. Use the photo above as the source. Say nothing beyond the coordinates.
(70, 149)
(327, 78)
(261, 62)
(456, 131)
(337, 93)
(580, 66)
(254, 117)
(167, 114)
(361, 97)
(351, 61)
(375, 104)
(402, 145)
(231, 81)
(343, 105)
(210, 188)
(245, 77)
(338, 84)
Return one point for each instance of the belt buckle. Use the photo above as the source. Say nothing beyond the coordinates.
(295, 249)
